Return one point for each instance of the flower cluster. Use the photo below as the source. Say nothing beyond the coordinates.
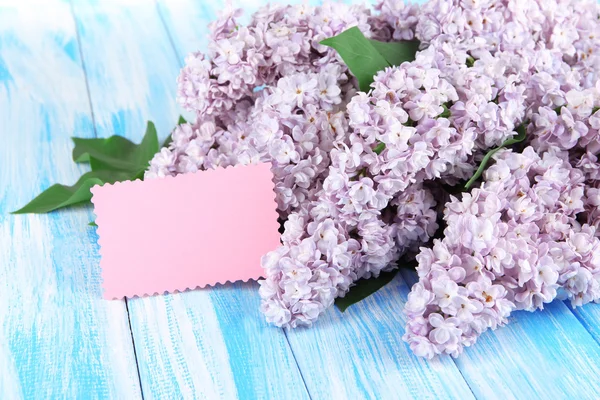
(529, 234)
(321, 256)
(514, 243)
(223, 86)
(422, 121)
(361, 179)
(279, 41)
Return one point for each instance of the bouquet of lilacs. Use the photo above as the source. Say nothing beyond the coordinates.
(476, 155)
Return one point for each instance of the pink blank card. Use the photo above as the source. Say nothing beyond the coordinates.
(187, 231)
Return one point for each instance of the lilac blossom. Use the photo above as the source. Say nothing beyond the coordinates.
(360, 178)
(513, 244)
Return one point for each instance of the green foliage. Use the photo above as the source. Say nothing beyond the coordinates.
(396, 53)
(117, 153)
(379, 148)
(521, 135)
(58, 196)
(365, 57)
(363, 289)
(114, 159)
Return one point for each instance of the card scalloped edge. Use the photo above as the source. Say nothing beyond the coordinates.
(271, 225)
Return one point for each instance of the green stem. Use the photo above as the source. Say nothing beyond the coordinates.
(379, 148)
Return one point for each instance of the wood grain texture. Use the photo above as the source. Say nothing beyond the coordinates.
(360, 354)
(210, 343)
(589, 316)
(541, 355)
(58, 338)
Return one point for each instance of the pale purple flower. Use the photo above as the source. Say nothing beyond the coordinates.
(501, 252)
(361, 178)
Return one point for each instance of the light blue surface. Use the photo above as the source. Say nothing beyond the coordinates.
(59, 339)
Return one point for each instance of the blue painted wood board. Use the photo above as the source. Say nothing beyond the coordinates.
(58, 339)
(97, 68)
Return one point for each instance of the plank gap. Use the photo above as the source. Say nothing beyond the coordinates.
(297, 365)
(137, 366)
(85, 72)
(95, 132)
(168, 32)
(586, 324)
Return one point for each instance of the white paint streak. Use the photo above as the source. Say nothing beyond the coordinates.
(118, 42)
(58, 338)
(34, 60)
(9, 377)
(204, 364)
(210, 356)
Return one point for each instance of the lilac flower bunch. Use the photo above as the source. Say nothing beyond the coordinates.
(419, 123)
(538, 200)
(512, 244)
(362, 178)
(223, 86)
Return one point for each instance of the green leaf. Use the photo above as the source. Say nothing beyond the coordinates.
(114, 159)
(117, 153)
(446, 113)
(102, 166)
(366, 57)
(167, 141)
(58, 196)
(148, 147)
(93, 223)
(363, 289)
(395, 53)
(114, 146)
(521, 135)
(359, 54)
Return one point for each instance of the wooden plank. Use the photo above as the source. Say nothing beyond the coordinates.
(187, 23)
(131, 67)
(541, 355)
(589, 316)
(58, 338)
(210, 343)
(360, 354)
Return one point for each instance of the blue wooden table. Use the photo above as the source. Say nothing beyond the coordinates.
(98, 68)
